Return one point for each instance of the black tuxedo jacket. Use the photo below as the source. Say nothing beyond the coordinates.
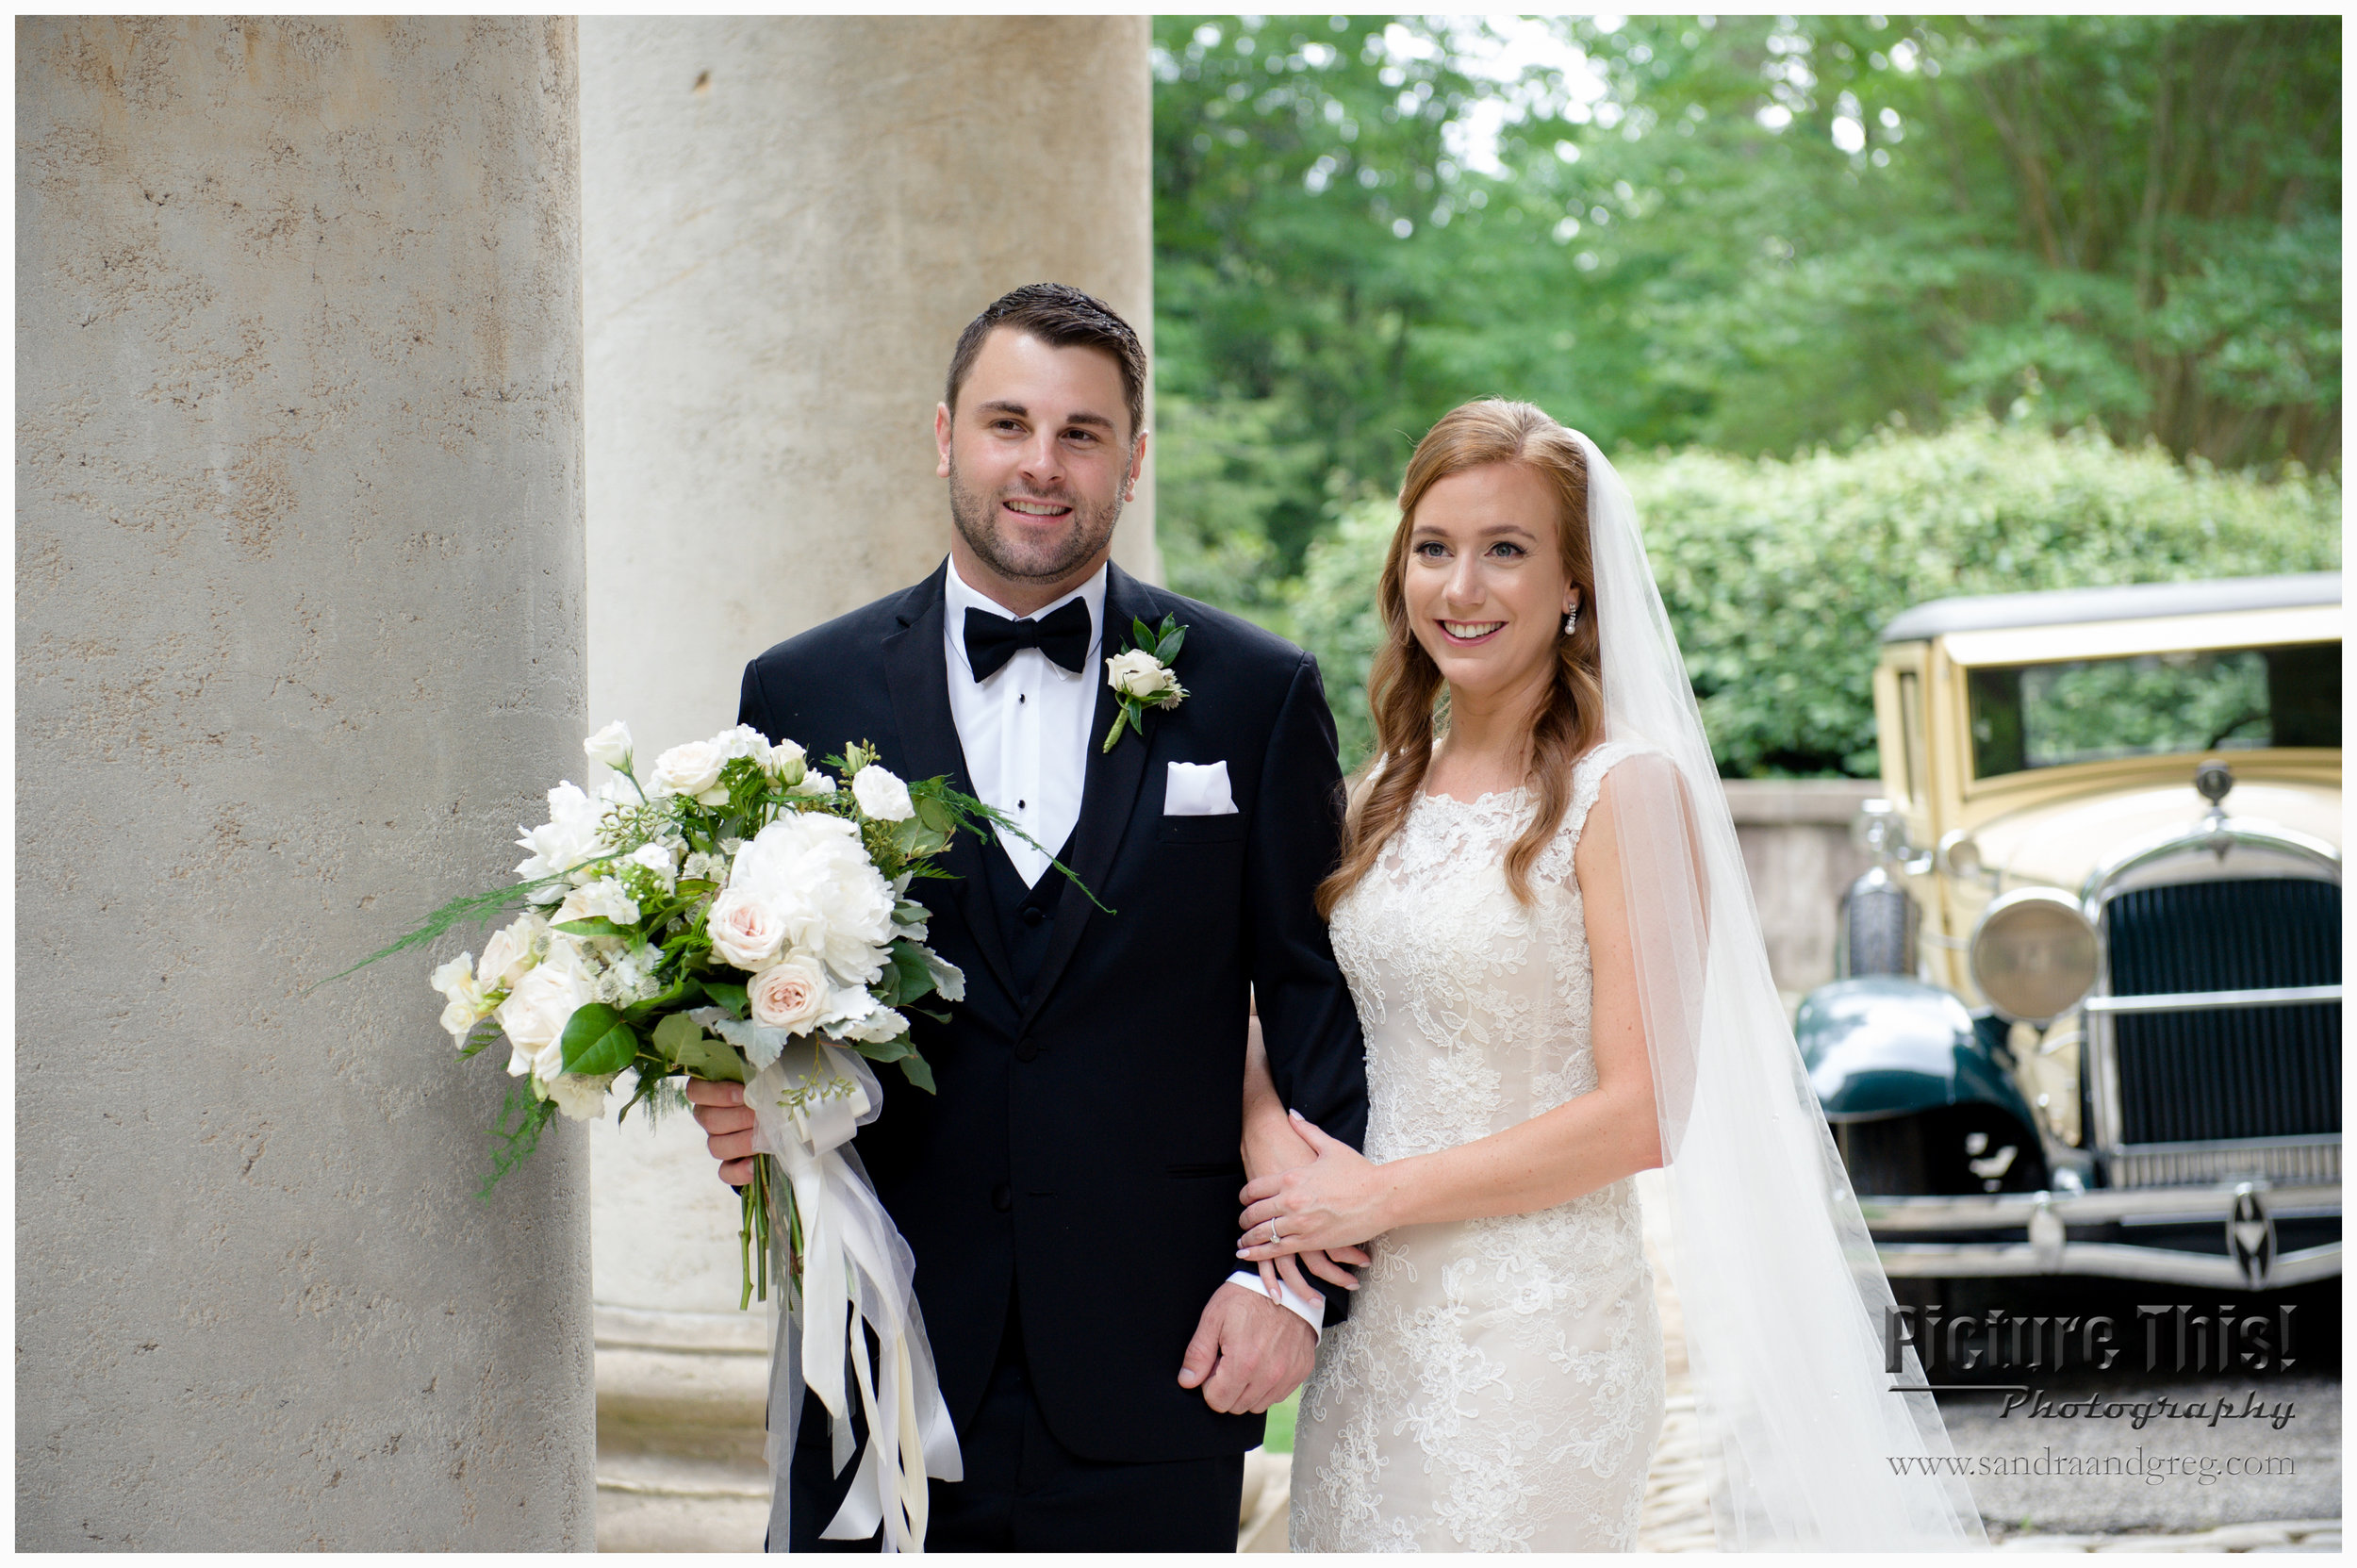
(1082, 1155)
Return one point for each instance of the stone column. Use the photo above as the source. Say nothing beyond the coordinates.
(787, 223)
(300, 639)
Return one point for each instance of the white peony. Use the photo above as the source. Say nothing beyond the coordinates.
(746, 930)
(791, 994)
(569, 838)
(610, 746)
(581, 1100)
(786, 762)
(834, 904)
(513, 950)
(881, 795)
(1138, 674)
(604, 899)
(543, 1002)
(692, 769)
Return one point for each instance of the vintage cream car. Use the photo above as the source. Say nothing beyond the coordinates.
(2089, 1018)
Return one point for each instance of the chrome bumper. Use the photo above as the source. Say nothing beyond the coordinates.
(2047, 1219)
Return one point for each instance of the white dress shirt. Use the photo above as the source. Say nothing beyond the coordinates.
(1025, 730)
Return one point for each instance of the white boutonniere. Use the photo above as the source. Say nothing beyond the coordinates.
(1140, 674)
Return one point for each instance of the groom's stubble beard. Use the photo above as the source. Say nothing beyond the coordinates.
(971, 513)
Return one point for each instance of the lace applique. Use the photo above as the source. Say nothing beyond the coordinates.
(1498, 1384)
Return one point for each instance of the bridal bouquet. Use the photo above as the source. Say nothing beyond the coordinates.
(741, 916)
(736, 913)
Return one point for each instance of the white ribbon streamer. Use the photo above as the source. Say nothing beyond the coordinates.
(857, 1280)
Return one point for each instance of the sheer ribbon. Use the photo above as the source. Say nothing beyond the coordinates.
(1785, 1300)
(857, 1285)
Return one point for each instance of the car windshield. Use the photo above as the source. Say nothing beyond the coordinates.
(2034, 716)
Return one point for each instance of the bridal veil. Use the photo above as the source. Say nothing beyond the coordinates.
(1784, 1301)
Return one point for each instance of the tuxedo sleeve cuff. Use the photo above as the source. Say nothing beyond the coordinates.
(1311, 1310)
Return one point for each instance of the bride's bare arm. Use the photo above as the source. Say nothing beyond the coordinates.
(1269, 1146)
(1580, 1146)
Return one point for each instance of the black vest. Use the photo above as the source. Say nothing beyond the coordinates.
(1026, 915)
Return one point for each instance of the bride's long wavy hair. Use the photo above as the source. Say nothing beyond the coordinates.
(1403, 690)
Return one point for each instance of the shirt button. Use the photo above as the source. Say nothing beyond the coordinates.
(1000, 1199)
(1026, 1050)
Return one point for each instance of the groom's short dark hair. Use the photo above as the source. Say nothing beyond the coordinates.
(1061, 317)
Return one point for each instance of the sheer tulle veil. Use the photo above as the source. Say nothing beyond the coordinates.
(1783, 1296)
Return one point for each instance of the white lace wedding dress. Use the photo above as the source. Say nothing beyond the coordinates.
(1498, 1385)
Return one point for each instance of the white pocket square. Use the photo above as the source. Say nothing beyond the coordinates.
(1198, 790)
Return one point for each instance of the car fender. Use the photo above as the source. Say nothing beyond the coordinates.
(1886, 1046)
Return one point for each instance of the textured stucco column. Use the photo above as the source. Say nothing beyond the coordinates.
(787, 223)
(300, 639)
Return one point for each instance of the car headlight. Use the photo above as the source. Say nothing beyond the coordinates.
(2034, 954)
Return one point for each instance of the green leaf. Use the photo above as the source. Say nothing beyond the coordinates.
(692, 888)
(596, 925)
(597, 1041)
(917, 976)
(916, 1071)
(885, 1050)
(936, 816)
(482, 1036)
(725, 994)
(685, 1044)
(681, 993)
(1167, 651)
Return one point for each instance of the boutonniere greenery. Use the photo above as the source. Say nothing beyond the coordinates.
(1140, 674)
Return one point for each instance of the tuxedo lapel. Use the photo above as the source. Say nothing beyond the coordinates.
(1108, 794)
(916, 674)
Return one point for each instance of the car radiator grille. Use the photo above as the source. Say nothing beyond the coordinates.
(2233, 1073)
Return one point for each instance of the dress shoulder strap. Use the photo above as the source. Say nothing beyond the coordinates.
(1587, 781)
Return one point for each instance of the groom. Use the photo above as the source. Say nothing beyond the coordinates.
(1070, 1193)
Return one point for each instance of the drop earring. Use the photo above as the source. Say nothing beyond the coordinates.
(1570, 619)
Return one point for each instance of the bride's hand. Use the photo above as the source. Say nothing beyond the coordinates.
(1339, 1199)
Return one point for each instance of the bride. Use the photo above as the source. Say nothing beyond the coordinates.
(1542, 912)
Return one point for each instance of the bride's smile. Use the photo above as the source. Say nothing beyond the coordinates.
(1485, 584)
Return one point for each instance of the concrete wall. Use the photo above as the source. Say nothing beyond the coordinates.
(1795, 837)
(299, 639)
(786, 224)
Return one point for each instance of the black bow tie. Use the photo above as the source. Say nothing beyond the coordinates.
(991, 640)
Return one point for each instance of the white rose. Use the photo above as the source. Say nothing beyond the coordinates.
(746, 930)
(513, 950)
(543, 1002)
(610, 746)
(581, 1100)
(834, 904)
(786, 762)
(569, 838)
(468, 1005)
(814, 783)
(1138, 674)
(789, 994)
(881, 795)
(604, 899)
(692, 769)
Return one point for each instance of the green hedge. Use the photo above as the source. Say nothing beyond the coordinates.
(1779, 575)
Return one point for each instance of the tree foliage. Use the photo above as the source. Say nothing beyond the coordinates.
(1780, 574)
(1753, 234)
(1757, 236)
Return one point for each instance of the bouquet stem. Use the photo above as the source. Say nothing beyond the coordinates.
(753, 1233)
